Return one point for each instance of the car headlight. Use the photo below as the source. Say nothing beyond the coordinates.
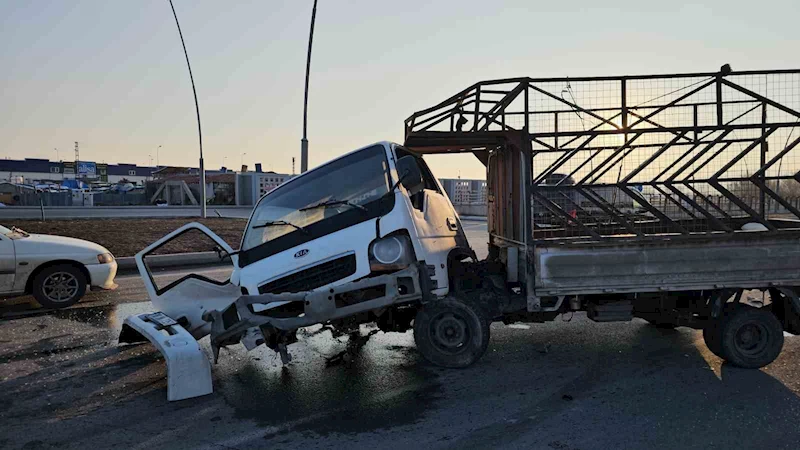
(391, 253)
(105, 258)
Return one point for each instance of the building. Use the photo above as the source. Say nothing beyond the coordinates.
(253, 185)
(36, 171)
(463, 191)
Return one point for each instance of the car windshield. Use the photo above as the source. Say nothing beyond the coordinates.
(348, 183)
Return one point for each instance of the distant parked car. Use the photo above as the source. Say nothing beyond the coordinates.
(56, 270)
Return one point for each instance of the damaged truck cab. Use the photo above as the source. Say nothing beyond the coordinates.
(367, 237)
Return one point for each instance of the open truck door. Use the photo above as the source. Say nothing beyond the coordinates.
(177, 321)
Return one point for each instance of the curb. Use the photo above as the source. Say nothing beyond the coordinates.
(175, 260)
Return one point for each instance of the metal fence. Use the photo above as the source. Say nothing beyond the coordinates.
(642, 155)
(44, 198)
(120, 199)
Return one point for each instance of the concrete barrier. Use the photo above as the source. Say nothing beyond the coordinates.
(172, 260)
(471, 209)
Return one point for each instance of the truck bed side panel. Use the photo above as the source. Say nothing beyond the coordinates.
(667, 265)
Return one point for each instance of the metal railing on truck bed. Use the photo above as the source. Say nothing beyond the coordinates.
(637, 156)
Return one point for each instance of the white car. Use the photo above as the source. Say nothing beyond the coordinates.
(56, 270)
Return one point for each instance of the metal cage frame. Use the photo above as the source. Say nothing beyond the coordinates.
(637, 157)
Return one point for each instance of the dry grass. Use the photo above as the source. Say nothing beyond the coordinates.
(126, 237)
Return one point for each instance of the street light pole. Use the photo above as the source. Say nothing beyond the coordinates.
(197, 109)
(157, 148)
(304, 141)
(242, 160)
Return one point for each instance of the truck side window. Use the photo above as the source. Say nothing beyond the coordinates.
(427, 176)
(418, 199)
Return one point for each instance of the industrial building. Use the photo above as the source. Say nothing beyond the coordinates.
(463, 191)
(246, 187)
(40, 171)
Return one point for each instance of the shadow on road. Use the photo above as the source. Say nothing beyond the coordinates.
(654, 389)
(577, 385)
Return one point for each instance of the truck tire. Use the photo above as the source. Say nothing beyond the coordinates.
(750, 337)
(451, 333)
(59, 286)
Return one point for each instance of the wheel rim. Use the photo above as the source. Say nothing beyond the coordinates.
(60, 287)
(449, 333)
(751, 339)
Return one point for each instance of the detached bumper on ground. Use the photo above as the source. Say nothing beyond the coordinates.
(188, 368)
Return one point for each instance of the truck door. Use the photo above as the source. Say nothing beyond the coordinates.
(189, 297)
(437, 225)
(8, 264)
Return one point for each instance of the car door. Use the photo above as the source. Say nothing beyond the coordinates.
(8, 264)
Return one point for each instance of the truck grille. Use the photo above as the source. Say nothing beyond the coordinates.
(313, 277)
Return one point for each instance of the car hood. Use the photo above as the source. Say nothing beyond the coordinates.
(48, 244)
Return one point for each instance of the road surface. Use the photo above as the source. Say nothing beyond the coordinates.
(570, 384)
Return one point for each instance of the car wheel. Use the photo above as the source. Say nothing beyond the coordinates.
(59, 286)
(451, 333)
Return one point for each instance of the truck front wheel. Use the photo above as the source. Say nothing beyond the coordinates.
(451, 333)
(750, 337)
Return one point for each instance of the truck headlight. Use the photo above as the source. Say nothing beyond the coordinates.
(390, 253)
(105, 258)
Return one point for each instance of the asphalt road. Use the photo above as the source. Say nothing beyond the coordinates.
(568, 384)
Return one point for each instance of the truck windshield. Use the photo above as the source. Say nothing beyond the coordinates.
(352, 185)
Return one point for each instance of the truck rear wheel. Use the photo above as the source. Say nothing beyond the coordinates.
(750, 337)
(451, 333)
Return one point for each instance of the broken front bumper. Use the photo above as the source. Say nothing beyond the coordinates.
(188, 369)
(102, 275)
(251, 312)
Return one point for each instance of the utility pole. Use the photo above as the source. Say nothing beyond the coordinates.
(292, 165)
(77, 155)
(304, 141)
(197, 109)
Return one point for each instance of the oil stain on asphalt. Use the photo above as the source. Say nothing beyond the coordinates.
(382, 386)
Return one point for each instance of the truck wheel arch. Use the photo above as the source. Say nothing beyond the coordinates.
(455, 257)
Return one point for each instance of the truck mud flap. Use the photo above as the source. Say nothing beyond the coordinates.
(188, 367)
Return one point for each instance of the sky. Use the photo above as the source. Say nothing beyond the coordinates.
(112, 75)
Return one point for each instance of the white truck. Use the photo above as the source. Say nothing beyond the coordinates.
(367, 237)
(372, 237)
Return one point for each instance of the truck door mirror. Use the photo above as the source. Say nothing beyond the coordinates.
(410, 175)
